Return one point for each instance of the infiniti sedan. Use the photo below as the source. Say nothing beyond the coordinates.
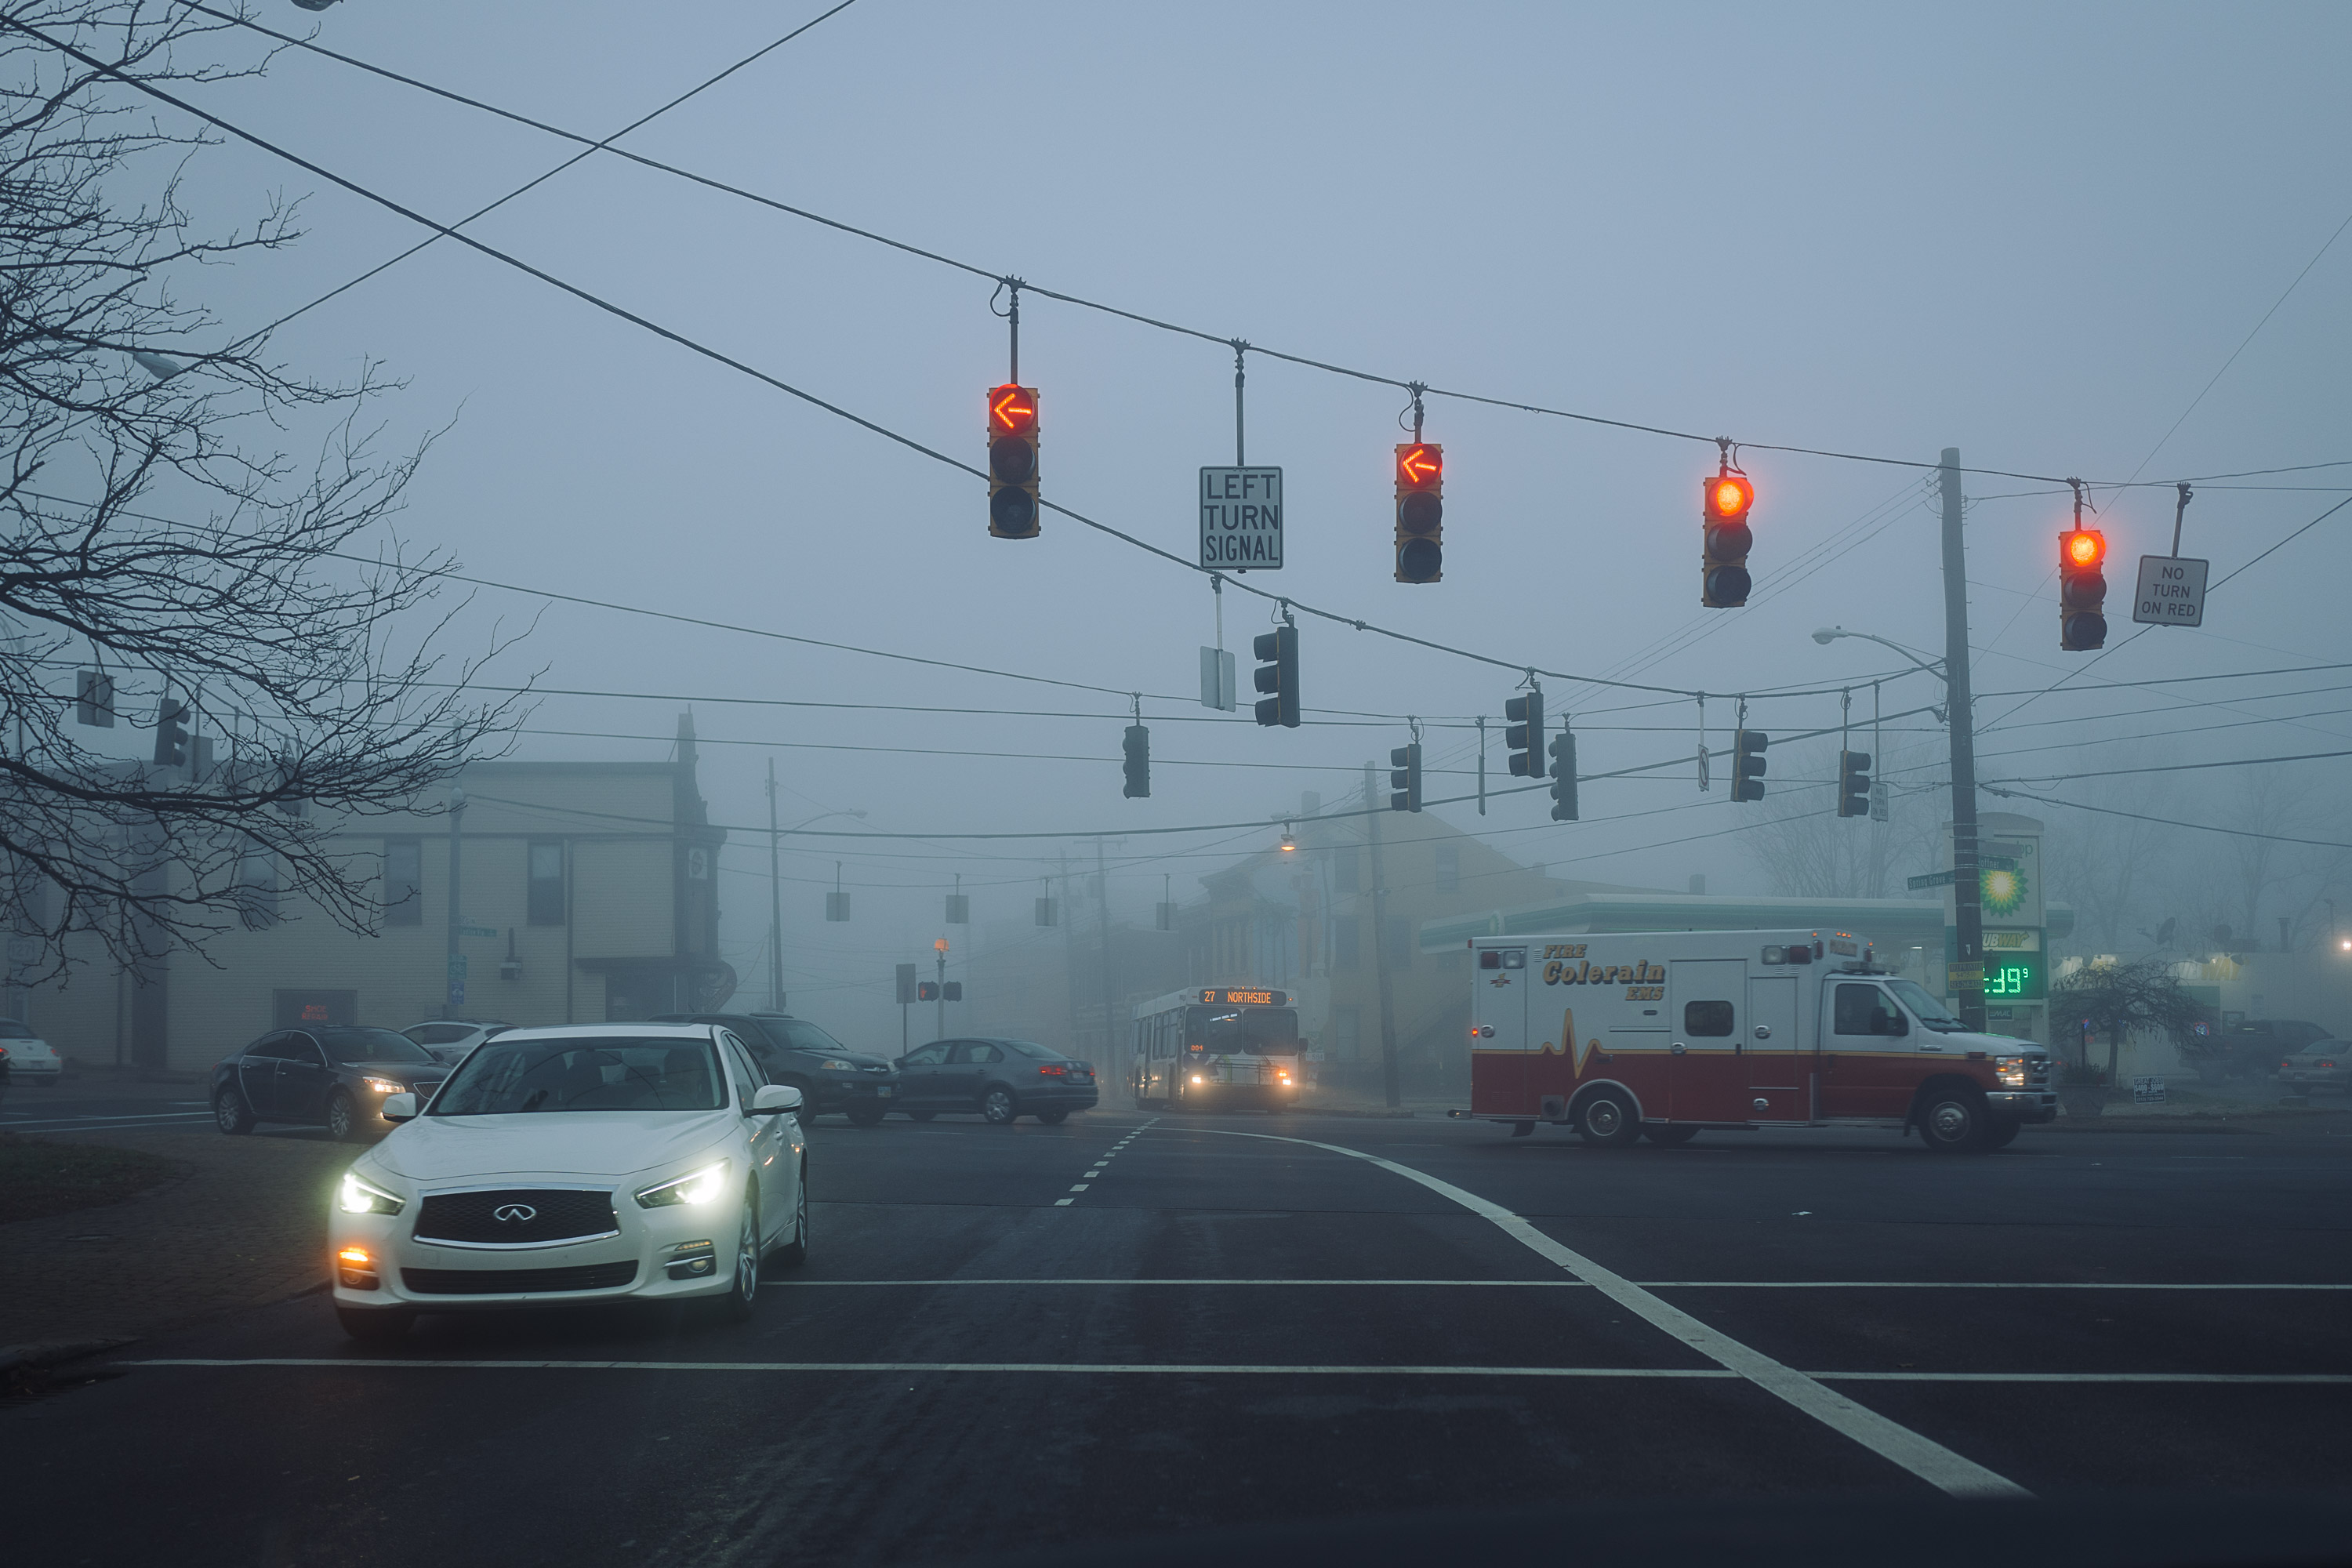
(618, 1162)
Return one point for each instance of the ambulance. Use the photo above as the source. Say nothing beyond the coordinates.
(1666, 1035)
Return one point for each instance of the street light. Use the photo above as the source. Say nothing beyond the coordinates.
(1828, 635)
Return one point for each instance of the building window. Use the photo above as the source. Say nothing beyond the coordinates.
(1346, 939)
(1449, 867)
(403, 881)
(1343, 871)
(256, 886)
(546, 882)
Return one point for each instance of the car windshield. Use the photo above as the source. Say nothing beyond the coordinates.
(1244, 1031)
(2322, 1049)
(509, 1077)
(347, 1043)
(1925, 1008)
(800, 1035)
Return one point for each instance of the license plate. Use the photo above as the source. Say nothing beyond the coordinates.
(882, 1092)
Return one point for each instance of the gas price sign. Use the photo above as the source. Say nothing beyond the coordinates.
(2015, 977)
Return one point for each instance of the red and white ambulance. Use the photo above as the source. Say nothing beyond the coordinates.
(1668, 1033)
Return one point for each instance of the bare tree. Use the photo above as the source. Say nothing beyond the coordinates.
(1807, 850)
(2119, 999)
(152, 528)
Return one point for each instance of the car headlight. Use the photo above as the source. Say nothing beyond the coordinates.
(694, 1189)
(836, 1064)
(360, 1195)
(2009, 1070)
(386, 1085)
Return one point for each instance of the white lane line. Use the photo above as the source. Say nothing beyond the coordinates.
(1234, 1369)
(1064, 1202)
(1929, 1461)
(1956, 1285)
(1586, 1285)
(1078, 1186)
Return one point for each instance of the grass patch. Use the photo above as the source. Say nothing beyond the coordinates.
(38, 1178)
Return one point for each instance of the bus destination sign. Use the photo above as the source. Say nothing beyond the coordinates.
(1215, 998)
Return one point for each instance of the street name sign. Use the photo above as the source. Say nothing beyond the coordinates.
(1944, 878)
(1241, 519)
(477, 930)
(2171, 591)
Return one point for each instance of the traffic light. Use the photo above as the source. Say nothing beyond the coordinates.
(1747, 763)
(1138, 763)
(1012, 462)
(1277, 674)
(1853, 784)
(1405, 777)
(1525, 737)
(170, 734)
(927, 990)
(1723, 571)
(1563, 777)
(951, 991)
(2081, 590)
(1419, 512)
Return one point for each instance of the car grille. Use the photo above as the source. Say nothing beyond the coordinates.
(558, 1214)
(877, 1069)
(516, 1282)
(2037, 1070)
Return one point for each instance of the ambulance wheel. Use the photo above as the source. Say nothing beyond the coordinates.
(1607, 1121)
(1954, 1121)
(1670, 1137)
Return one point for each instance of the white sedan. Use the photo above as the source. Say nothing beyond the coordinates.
(25, 1057)
(619, 1162)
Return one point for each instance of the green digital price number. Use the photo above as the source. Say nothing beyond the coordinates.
(2013, 977)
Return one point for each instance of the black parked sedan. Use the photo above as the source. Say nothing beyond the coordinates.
(999, 1078)
(334, 1076)
(829, 1075)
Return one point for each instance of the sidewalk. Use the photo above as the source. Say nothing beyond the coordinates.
(247, 1225)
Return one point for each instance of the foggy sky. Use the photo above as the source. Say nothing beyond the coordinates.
(2033, 233)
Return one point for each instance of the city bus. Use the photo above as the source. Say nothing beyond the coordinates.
(1223, 1047)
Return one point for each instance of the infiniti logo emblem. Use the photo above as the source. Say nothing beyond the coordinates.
(514, 1213)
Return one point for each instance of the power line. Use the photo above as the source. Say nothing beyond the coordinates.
(2175, 768)
(2165, 821)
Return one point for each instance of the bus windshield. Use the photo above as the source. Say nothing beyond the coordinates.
(1242, 1031)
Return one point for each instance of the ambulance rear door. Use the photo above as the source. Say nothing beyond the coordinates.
(1498, 1024)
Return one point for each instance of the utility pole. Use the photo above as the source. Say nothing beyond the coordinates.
(775, 906)
(457, 993)
(1380, 947)
(1102, 897)
(1968, 906)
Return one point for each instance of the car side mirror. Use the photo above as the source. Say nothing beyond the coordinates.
(399, 1107)
(775, 1099)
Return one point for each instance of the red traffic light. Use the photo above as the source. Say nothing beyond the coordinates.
(1420, 464)
(2083, 549)
(1729, 495)
(1011, 410)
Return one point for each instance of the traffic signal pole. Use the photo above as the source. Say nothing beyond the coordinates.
(1967, 908)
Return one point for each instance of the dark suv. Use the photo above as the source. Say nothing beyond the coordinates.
(829, 1075)
(998, 1077)
(2254, 1048)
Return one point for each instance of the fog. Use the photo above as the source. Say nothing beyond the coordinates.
(2040, 236)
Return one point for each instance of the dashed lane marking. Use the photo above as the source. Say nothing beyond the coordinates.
(1230, 1369)
(1923, 1457)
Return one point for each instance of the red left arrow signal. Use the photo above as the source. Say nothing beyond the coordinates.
(1419, 465)
(1011, 410)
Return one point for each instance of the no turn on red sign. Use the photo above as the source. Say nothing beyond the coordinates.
(2171, 591)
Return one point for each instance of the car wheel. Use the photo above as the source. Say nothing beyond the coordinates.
(234, 1116)
(1052, 1118)
(999, 1106)
(865, 1115)
(794, 1253)
(1670, 1137)
(744, 1292)
(342, 1116)
(1953, 1122)
(922, 1115)
(375, 1325)
(1607, 1121)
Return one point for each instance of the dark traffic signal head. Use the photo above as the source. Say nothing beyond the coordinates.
(1853, 784)
(1419, 512)
(1137, 745)
(1747, 764)
(1405, 777)
(170, 734)
(1563, 777)
(1278, 675)
(2082, 589)
(1525, 737)
(1723, 564)
(1012, 462)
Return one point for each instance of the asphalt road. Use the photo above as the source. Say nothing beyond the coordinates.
(1126, 1326)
